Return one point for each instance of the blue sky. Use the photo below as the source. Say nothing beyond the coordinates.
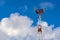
(26, 8)
(23, 27)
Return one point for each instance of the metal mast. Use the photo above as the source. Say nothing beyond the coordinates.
(39, 12)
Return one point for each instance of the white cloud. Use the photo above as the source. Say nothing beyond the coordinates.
(46, 5)
(18, 27)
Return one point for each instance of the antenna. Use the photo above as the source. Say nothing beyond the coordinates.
(39, 12)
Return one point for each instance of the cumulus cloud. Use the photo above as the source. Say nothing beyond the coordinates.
(46, 5)
(18, 27)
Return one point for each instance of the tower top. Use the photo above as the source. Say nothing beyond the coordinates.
(39, 11)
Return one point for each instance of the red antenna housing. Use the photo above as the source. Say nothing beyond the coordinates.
(39, 11)
(39, 28)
